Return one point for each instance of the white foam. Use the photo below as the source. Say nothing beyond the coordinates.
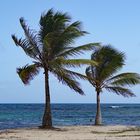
(115, 106)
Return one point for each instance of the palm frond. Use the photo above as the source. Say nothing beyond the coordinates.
(125, 79)
(30, 34)
(109, 61)
(30, 43)
(60, 62)
(66, 79)
(25, 45)
(61, 34)
(27, 73)
(77, 62)
(79, 50)
(55, 65)
(61, 41)
(45, 24)
(75, 74)
(120, 91)
(51, 22)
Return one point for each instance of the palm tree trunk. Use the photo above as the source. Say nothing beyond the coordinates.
(98, 119)
(47, 118)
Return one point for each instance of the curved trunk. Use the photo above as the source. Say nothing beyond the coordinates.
(47, 118)
(98, 119)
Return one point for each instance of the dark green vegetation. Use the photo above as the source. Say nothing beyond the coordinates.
(102, 76)
(52, 48)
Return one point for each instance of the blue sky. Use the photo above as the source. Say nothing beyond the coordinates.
(108, 21)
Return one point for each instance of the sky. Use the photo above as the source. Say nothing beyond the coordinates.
(115, 22)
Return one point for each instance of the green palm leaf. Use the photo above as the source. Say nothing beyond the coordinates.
(51, 21)
(120, 91)
(30, 34)
(30, 43)
(77, 62)
(24, 44)
(28, 72)
(110, 61)
(75, 74)
(74, 51)
(60, 41)
(68, 80)
(125, 79)
(57, 65)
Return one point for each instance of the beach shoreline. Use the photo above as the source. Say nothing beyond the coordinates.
(115, 132)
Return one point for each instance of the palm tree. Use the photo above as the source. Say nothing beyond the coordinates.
(51, 48)
(102, 76)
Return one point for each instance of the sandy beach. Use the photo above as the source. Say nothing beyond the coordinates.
(74, 133)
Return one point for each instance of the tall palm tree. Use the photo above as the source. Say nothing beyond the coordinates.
(102, 76)
(51, 48)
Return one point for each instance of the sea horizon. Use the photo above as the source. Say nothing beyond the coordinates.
(70, 103)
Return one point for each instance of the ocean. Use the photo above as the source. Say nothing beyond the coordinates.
(30, 115)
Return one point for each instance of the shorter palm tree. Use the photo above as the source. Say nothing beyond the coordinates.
(102, 76)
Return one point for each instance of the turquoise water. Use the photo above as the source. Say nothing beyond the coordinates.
(29, 115)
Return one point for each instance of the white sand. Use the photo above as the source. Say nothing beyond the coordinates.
(74, 133)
